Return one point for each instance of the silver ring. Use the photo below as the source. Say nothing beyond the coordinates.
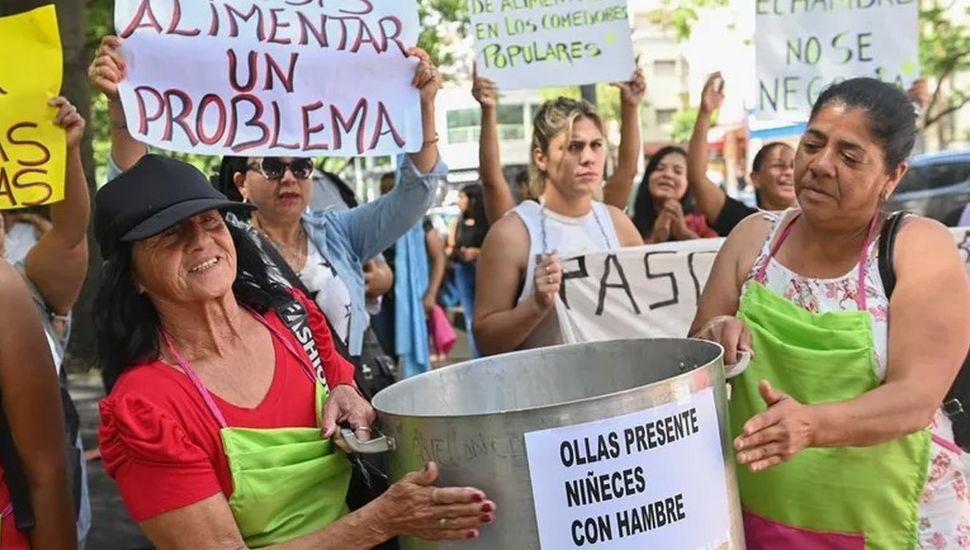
(549, 279)
(443, 522)
(362, 428)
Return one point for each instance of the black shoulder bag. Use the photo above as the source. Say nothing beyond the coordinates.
(957, 399)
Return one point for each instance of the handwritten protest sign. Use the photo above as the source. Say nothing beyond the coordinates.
(648, 291)
(615, 483)
(802, 47)
(525, 44)
(635, 292)
(32, 147)
(271, 77)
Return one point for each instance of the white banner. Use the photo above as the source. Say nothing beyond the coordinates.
(271, 77)
(524, 44)
(649, 479)
(802, 47)
(649, 291)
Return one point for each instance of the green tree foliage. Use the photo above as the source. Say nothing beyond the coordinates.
(682, 125)
(680, 15)
(944, 51)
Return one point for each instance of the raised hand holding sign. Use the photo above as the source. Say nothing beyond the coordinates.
(313, 79)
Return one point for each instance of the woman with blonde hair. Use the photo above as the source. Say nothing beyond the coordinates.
(519, 269)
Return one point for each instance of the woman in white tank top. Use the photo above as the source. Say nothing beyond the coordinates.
(519, 269)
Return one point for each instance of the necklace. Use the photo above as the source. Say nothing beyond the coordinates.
(295, 256)
(542, 222)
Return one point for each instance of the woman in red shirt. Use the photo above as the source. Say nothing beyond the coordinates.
(218, 425)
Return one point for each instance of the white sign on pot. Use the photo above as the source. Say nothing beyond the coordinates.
(649, 479)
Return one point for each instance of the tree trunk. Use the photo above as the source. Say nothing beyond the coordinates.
(71, 16)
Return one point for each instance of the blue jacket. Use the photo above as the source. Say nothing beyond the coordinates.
(349, 238)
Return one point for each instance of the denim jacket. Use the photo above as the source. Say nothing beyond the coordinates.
(349, 238)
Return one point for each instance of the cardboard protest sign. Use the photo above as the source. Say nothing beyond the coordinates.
(802, 47)
(524, 44)
(614, 483)
(32, 147)
(650, 291)
(647, 291)
(271, 78)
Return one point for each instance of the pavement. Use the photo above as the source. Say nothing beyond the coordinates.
(111, 527)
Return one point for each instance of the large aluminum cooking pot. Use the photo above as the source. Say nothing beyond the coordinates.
(620, 444)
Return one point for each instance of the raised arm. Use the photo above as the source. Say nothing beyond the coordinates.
(498, 196)
(709, 197)
(31, 402)
(620, 183)
(105, 72)
(428, 81)
(372, 227)
(57, 264)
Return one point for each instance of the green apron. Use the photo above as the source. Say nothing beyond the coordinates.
(838, 498)
(287, 482)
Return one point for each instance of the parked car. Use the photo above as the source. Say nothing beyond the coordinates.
(936, 185)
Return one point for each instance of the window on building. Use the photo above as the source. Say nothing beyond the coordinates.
(665, 67)
(665, 116)
(464, 124)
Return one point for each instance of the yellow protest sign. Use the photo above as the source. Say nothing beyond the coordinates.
(32, 147)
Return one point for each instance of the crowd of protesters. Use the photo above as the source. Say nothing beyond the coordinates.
(211, 392)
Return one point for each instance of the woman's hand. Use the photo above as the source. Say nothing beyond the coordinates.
(69, 119)
(484, 90)
(426, 77)
(919, 93)
(776, 435)
(678, 225)
(632, 91)
(415, 507)
(731, 333)
(429, 302)
(548, 280)
(713, 95)
(661, 227)
(108, 68)
(345, 405)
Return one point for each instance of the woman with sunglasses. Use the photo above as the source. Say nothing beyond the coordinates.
(326, 249)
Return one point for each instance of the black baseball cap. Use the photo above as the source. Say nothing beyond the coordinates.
(153, 195)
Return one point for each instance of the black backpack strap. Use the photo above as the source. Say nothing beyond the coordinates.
(959, 392)
(887, 246)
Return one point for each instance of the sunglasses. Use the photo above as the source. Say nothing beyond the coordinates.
(274, 168)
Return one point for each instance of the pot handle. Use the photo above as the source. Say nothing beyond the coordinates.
(377, 445)
(744, 359)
